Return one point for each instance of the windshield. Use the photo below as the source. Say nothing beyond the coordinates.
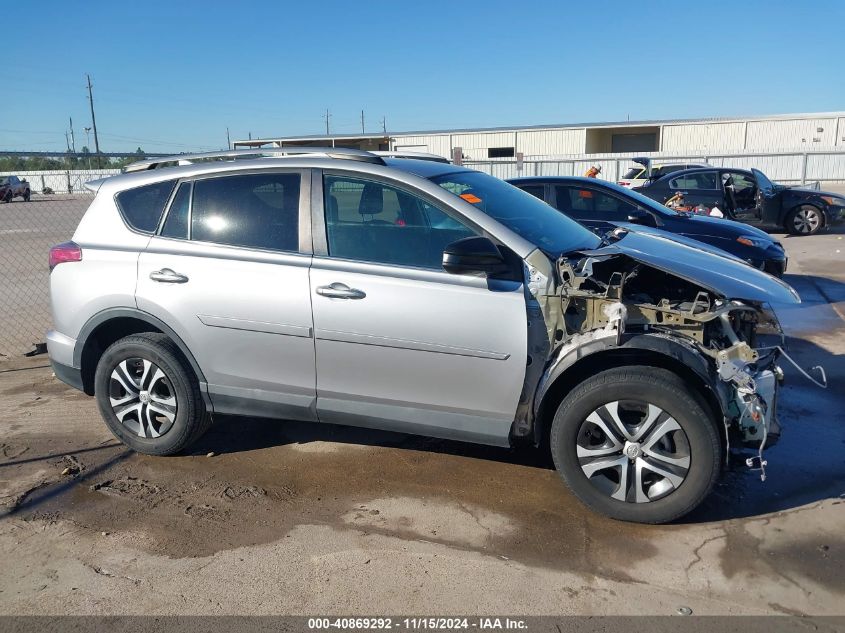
(530, 218)
(4, 180)
(633, 173)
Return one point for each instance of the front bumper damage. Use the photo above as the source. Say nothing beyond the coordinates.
(616, 304)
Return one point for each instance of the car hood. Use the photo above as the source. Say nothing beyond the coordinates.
(688, 240)
(720, 227)
(709, 267)
(809, 193)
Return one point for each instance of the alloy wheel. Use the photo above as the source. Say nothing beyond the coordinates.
(633, 451)
(142, 397)
(806, 220)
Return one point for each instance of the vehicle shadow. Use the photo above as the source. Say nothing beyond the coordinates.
(233, 434)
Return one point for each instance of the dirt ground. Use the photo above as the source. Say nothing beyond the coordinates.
(274, 517)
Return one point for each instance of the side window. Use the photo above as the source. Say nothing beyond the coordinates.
(610, 207)
(374, 222)
(696, 180)
(252, 210)
(538, 191)
(176, 223)
(572, 200)
(142, 207)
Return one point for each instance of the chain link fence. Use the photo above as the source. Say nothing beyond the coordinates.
(27, 231)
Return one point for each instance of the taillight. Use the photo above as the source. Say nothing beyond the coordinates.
(623, 183)
(65, 252)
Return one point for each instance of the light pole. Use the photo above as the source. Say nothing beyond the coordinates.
(88, 145)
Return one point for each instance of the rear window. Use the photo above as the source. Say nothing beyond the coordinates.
(142, 207)
(634, 173)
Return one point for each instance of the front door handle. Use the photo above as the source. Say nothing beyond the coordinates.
(168, 276)
(340, 291)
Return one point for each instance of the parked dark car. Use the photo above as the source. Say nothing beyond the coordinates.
(602, 205)
(750, 197)
(13, 187)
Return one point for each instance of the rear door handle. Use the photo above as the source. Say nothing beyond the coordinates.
(340, 291)
(168, 276)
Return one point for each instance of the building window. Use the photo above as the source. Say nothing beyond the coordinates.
(500, 152)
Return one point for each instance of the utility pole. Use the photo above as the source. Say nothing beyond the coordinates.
(384, 125)
(67, 142)
(228, 140)
(88, 145)
(93, 121)
(362, 122)
(72, 139)
(327, 116)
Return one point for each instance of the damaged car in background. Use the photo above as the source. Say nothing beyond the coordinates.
(337, 286)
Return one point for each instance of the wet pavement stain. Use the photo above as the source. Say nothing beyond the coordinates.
(818, 559)
(259, 485)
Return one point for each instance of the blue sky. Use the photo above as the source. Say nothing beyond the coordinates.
(174, 75)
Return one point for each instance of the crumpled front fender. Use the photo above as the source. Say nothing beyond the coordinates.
(639, 349)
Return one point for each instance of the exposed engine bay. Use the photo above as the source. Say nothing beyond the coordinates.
(598, 301)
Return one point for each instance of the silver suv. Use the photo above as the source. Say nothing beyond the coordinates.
(338, 286)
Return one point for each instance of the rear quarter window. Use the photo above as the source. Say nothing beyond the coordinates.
(142, 207)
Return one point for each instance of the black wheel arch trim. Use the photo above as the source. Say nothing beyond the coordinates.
(111, 314)
(676, 353)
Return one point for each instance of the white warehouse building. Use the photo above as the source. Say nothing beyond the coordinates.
(796, 147)
(789, 132)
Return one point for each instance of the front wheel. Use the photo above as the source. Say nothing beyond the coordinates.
(148, 395)
(27, 195)
(636, 444)
(8, 197)
(804, 220)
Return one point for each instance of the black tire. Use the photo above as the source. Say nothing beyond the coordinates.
(27, 195)
(191, 420)
(805, 219)
(630, 386)
(8, 197)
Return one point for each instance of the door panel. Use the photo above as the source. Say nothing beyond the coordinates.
(246, 317)
(240, 298)
(422, 352)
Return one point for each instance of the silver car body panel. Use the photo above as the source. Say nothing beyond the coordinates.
(391, 359)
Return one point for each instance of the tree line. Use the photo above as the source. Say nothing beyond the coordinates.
(86, 159)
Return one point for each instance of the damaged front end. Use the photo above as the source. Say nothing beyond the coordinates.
(623, 304)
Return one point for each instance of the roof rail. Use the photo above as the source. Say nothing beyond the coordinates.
(435, 158)
(240, 154)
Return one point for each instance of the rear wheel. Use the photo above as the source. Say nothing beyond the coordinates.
(27, 195)
(148, 395)
(8, 197)
(634, 443)
(804, 220)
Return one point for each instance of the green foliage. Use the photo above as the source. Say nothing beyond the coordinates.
(82, 160)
